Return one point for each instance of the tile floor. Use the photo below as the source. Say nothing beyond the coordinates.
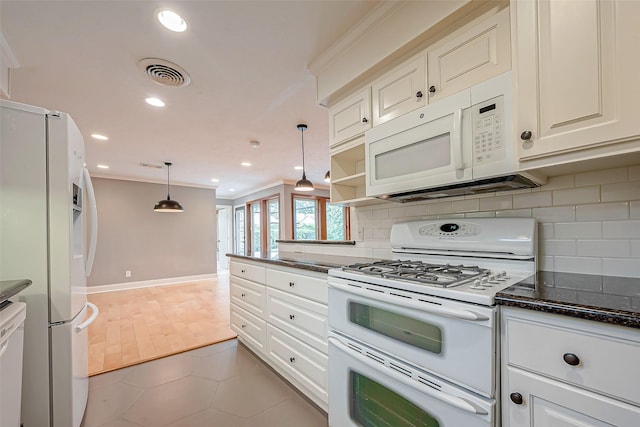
(222, 385)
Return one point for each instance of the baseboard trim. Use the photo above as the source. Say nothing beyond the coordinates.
(148, 283)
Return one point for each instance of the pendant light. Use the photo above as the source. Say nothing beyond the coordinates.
(327, 176)
(168, 205)
(304, 184)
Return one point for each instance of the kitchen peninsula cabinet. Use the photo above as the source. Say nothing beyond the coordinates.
(559, 370)
(577, 79)
(282, 316)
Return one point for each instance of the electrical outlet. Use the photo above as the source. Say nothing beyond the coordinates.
(127, 273)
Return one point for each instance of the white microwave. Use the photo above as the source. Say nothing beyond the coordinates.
(462, 144)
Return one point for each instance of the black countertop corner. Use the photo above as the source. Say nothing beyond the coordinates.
(607, 299)
(9, 288)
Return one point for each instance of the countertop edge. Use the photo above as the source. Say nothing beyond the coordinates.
(597, 314)
(301, 265)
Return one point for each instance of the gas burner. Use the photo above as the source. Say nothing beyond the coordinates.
(443, 275)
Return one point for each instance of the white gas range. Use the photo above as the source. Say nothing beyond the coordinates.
(417, 334)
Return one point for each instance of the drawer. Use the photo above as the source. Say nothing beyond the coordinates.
(304, 364)
(250, 329)
(301, 285)
(247, 271)
(248, 295)
(607, 355)
(304, 319)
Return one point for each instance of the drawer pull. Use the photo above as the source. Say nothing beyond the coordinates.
(291, 284)
(291, 316)
(292, 359)
(243, 271)
(243, 295)
(516, 398)
(571, 359)
(243, 326)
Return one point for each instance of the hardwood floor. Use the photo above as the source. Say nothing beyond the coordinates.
(139, 325)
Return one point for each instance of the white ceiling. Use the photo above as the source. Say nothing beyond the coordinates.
(248, 65)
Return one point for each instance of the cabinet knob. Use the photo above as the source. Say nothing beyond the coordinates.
(292, 316)
(364, 120)
(243, 326)
(516, 398)
(291, 284)
(526, 135)
(571, 359)
(292, 359)
(419, 94)
(242, 271)
(432, 89)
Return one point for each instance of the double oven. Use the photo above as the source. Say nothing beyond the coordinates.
(413, 341)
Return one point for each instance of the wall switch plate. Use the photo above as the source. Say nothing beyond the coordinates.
(127, 273)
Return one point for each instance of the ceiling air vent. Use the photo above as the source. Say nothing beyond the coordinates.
(164, 72)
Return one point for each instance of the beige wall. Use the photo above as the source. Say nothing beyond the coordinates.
(152, 245)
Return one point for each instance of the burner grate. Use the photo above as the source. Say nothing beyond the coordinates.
(443, 275)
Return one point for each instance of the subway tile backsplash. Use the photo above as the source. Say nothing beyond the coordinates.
(587, 222)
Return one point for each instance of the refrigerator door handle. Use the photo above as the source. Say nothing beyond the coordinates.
(93, 218)
(94, 313)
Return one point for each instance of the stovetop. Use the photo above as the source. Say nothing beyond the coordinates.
(442, 275)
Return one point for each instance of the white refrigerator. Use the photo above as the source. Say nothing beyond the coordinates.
(48, 230)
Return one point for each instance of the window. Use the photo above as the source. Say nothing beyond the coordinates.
(316, 219)
(240, 231)
(264, 227)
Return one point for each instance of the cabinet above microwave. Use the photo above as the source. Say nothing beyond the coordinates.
(462, 144)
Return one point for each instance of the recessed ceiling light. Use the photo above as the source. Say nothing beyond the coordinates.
(172, 21)
(100, 137)
(298, 168)
(232, 190)
(215, 180)
(103, 166)
(247, 164)
(155, 102)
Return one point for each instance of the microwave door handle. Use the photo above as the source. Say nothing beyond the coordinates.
(427, 308)
(456, 139)
(449, 399)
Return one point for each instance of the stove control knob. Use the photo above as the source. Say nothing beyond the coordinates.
(477, 285)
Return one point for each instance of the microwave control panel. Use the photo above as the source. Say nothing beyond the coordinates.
(488, 131)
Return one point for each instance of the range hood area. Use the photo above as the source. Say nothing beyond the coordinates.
(501, 183)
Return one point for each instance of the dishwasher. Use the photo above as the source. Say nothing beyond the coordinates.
(11, 341)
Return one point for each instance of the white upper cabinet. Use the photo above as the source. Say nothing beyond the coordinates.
(399, 91)
(469, 56)
(350, 117)
(577, 77)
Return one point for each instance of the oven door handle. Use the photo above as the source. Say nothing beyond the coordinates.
(405, 302)
(449, 399)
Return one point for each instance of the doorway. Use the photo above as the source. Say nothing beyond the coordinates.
(224, 244)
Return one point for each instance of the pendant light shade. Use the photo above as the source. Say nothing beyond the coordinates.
(327, 176)
(168, 205)
(303, 184)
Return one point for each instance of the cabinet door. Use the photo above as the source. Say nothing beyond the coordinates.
(577, 75)
(399, 91)
(469, 57)
(548, 403)
(350, 117)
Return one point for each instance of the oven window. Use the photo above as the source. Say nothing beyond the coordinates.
(373, 405)
(402, 328)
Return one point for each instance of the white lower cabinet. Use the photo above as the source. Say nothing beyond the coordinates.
(301, 364)
(250, 329)
(559, 371)
(282, 316)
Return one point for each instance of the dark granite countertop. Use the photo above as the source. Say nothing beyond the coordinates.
(304, 261)
(607, 299)
(9, 288)
(319, 242)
